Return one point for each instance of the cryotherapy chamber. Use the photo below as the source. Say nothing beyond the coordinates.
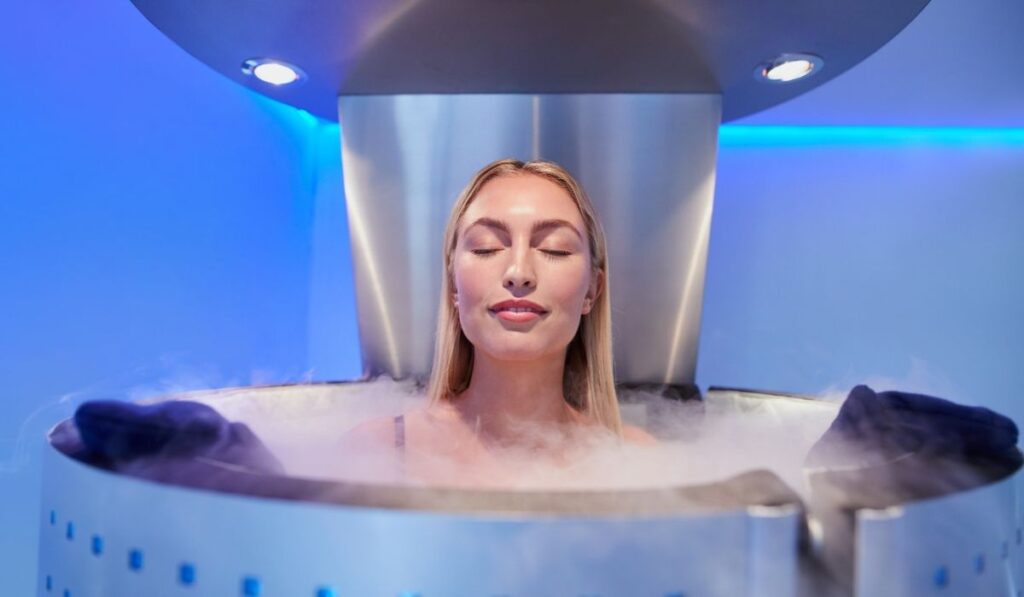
(628, 96)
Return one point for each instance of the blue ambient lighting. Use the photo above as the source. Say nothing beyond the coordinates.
(135, 559)
(251, 587)
(187, 574)
(737, 135)
(764, 136)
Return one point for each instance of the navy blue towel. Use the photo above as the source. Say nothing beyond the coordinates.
(890, 448)
(115, 433)
(873, 428)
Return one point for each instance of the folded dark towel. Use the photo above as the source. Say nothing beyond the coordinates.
(873, 428)
(890, 448)
(116, 433)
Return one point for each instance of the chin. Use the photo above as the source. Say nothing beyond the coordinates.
(509, 352)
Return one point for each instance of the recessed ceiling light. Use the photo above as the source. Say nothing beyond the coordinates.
(789, 67)
(275, 72)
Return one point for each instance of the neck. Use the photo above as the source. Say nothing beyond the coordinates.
(504, 394)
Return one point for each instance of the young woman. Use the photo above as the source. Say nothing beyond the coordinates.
(522, 368)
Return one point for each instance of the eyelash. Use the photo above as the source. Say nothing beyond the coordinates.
(548, 254)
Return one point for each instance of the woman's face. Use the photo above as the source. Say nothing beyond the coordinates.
(522, 238)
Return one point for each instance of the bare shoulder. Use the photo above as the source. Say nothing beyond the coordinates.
(636, 435)
(373, 433)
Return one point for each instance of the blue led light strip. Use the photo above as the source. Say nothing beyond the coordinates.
(730, 135)
(761, 136)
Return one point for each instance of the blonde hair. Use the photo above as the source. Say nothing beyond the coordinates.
(588, 384)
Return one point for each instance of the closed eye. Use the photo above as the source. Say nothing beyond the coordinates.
(547, 253)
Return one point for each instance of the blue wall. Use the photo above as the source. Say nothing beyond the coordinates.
(158, 226)
(154, 233)
(893, 256)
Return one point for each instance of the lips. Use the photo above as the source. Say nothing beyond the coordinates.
(518, 305)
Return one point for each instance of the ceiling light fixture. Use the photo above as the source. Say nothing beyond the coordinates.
(274, 72)
(788, 67)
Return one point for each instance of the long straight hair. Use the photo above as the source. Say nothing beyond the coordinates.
(588, 384)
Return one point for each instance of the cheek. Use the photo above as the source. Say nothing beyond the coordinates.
(571, 287)
(471, 280)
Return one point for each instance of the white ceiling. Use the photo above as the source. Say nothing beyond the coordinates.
(960, 63)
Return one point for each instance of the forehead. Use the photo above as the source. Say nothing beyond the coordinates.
(520, 199)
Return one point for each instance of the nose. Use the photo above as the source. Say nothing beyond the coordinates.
(520, 272)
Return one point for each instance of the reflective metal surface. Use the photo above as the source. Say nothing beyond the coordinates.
(965, 544)
(647, 162)
(350, 47)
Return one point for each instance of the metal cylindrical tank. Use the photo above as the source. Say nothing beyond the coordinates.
(227, 531)
(232, 531)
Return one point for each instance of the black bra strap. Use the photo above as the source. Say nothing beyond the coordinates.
(400, 432)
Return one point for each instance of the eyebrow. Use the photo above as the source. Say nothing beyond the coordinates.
(537, 226)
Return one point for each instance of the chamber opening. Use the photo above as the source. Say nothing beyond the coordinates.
(710, 455)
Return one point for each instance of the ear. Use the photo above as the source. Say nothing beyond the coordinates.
(594, 291)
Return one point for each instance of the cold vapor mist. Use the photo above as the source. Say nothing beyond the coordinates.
(698, 442)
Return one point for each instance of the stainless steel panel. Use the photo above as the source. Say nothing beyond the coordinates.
(647, 161)
(773, 537)
(964, 544)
